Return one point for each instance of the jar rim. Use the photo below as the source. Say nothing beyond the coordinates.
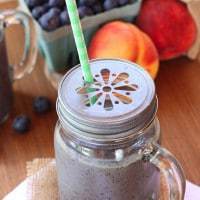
(118, 139)
(136, 118)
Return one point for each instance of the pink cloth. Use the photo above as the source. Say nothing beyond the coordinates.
(19, 193)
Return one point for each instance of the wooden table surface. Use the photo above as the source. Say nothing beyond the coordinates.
(178, 89)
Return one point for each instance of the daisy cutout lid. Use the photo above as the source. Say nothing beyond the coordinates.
(122, 92)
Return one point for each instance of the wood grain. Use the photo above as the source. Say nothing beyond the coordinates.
(178, 91)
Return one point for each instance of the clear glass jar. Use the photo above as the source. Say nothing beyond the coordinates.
(107, 149)
(9, 73)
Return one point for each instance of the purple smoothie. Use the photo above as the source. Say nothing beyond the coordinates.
(83, 178)
(6, 94)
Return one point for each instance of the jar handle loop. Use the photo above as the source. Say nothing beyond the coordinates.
(170, 169)
(11, 17)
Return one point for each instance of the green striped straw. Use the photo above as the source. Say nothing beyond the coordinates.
(79, 40)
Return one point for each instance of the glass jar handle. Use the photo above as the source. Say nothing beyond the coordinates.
(29, 57)
(170, 169)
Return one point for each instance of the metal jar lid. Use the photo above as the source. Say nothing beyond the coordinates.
(121, 98)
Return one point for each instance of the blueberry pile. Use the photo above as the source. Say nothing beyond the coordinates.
(52, 14)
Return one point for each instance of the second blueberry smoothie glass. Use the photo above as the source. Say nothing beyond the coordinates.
(9, 73)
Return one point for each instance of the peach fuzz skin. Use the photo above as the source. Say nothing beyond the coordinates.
(170, 26)
(125, 41)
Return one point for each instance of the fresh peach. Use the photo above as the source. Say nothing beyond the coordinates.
(124, 40)
(114, 40)
(170, 26)
(148, 56)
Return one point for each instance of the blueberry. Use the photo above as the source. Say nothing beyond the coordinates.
(50, 20)
(21, 124)
(34, 3)
(97, 8)
(87, 2)
(56, 3)
(110, 4)
(84, 11)
(46, 6)
(55, 11)
(64, 8)
(123, 2)
(38, 11)
(64, 17)
(41, 104)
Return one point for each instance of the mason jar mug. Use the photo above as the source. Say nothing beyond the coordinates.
(107, 137)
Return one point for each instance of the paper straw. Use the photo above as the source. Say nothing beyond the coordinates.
(79, 40)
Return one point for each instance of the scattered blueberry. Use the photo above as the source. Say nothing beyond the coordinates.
(50, 20)
(64, 18)
(41, 104)
(110, 4)
(84, 11)
(21, 124)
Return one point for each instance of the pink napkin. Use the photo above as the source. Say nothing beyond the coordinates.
(19, 193)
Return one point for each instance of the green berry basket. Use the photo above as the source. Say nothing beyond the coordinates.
(58, 47)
